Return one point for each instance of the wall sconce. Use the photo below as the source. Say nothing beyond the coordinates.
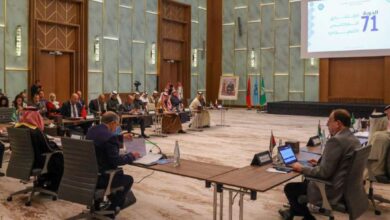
(18, 40)
(153, 53)
(312, 62)
(96, 49)
(195, 57)
(253, 58)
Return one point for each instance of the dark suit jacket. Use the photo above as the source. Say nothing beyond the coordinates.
(66, 111)
(107, 148)
(94, 106)
(334, 165)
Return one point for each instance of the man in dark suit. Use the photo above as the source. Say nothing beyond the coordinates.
(98, 106)
(113, 102)
(129, 107)
(108, 157)
(333, 167)
(81, 100)
(71, 108)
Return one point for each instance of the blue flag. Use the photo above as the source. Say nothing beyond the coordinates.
(255, 94)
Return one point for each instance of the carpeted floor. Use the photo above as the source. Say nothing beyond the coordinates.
(165, 196)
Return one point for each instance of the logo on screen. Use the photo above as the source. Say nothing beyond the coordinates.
(322, 6)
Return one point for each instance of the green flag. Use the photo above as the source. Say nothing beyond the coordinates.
(263, 98)
(352, 120)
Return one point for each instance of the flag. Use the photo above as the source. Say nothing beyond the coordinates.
(83, 112)
(256, 94)
(248, 94)
(319, 129)
(272, 143)
(263, 97)
(352, 120)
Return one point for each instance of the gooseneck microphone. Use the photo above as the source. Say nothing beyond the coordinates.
(159, 149)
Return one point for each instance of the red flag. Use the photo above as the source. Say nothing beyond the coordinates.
(272, 143)
(83, 112)
(248, 94)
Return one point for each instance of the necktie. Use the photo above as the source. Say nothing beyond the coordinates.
(74, 111)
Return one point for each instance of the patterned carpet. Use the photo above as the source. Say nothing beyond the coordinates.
(165, 196)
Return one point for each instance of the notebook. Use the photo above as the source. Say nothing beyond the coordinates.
(138, 145)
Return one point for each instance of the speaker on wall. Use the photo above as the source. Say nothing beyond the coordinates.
(239, 26)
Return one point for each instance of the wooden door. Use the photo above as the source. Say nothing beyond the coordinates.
(174, 45)
(58, 46)
(54, 70)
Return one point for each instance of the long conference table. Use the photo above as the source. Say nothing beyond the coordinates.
(246, 180)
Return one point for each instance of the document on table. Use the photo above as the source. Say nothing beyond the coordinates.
(273, 170)
(148, 159)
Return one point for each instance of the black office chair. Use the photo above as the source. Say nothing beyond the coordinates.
(80, 178)
(384, 179)
(21, 163)
(355, 201)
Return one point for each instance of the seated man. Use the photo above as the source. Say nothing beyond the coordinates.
(202, 116)
(33, 121)
(39, 105)
(387, 112)
(129, 108)
(176, 102)
(72, 109)
(98, 106)
(333, 167)
(113, 103)
(379, 138)
(170, 121)
(107, 153)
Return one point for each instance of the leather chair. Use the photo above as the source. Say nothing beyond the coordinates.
(355, 201)
(21, 163)
(383, 179)
(80, 178)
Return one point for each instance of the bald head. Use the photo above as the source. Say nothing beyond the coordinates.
(74, 98)
(101, 98)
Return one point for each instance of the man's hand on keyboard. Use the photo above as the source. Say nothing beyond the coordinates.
(296, 167)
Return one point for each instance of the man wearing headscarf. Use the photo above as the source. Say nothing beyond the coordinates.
(32, 120)
(202, 116)
(171, 121)
(379, 138)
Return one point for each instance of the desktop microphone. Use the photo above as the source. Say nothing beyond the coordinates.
(164, 156)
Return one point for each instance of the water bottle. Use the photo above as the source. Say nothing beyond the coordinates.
(176, 155)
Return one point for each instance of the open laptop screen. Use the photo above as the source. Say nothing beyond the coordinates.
(287, 154)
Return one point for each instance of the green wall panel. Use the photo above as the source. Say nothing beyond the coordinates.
(151, 37)
(2, 59)
(2, 14)
(125, 83)
(151, 5)
(267, 26)
(194, 85)
(110, 65)
(151, 83)
(295, 30)
(128, 2)
(254, 10)
(139, 64)
(228, 11)
(272, 29)
(281, 9)
(228, 49)
(139, 20)
(125, 45)
(281, 46)
(241, 39)
(15, 81)
(20, 10)
(95, 83)
(240, 68)
(95, 24)
(296, 71)
(111, 18)
(311, 92)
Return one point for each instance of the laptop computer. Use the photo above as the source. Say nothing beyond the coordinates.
(288, 157)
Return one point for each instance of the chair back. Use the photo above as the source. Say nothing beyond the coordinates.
(80, 176)
(22, 156)
(355, 195)
(387, 163)
(6, 114)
